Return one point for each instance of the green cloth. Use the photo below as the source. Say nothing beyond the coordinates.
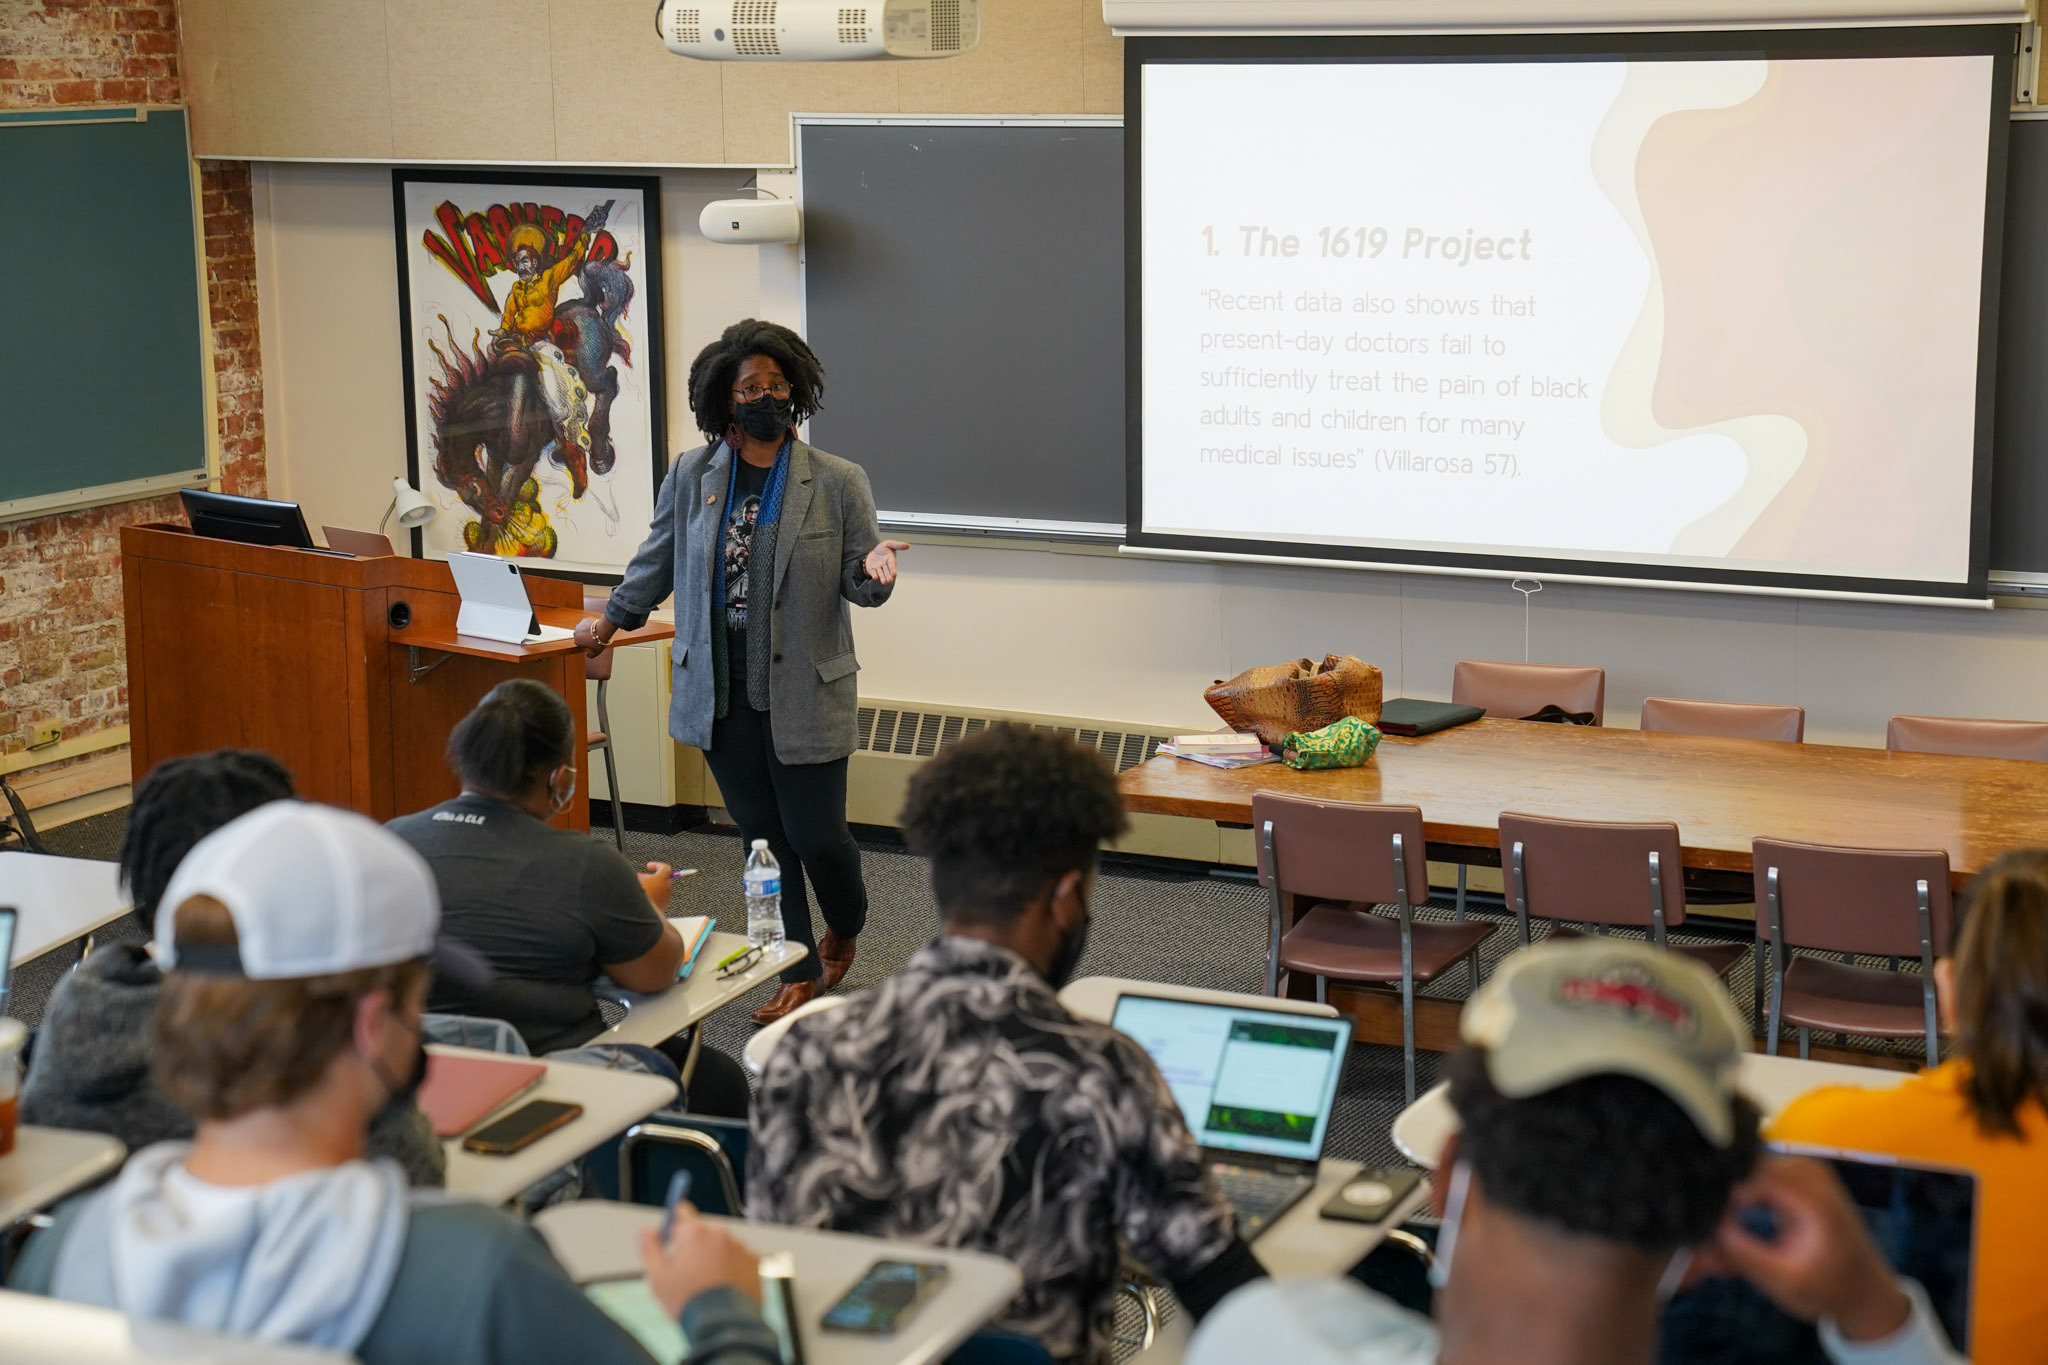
(1349, 743)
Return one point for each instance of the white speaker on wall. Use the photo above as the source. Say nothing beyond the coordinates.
(742, 222)
(818, 30)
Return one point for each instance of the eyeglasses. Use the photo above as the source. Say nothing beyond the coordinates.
(745, 962)
(754, 393)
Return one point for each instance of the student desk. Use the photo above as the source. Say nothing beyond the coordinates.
(652, 1019)
(1721, 793)
(595, 1240)
(612, 1101)
(46, 1165)
(39, 1331)
(60, 899)
(1772, 1083)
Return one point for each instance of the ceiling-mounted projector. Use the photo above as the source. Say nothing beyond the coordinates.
(817, 30)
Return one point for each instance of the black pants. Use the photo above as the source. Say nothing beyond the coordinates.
(800, 809)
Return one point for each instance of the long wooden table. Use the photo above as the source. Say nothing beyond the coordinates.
(1722, 793)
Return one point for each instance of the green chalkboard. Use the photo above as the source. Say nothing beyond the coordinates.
(102, 377)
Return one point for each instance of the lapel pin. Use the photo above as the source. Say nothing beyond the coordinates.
(710, 498)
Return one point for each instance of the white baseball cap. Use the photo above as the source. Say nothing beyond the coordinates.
(1597, 1006)
(313, 891)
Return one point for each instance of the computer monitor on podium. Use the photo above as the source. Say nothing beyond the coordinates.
(251, 521)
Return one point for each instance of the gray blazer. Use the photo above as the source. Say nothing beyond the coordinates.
(826, 530)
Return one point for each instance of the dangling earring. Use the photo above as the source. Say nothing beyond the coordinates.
(732, 435)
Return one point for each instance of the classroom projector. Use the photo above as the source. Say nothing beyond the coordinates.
(818, 30)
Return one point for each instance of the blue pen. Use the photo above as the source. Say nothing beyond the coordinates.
(678, 1191)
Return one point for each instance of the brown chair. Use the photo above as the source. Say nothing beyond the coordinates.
(1968, 738)
(1509, 691)
(1600, 872)
(599, 671)
(1341, 856)
(1872, 902)
(1725, 719)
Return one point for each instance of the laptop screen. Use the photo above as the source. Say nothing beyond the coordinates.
(1924, 1221)
(1246, 1079)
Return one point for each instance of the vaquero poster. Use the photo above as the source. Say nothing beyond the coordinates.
(531, 307)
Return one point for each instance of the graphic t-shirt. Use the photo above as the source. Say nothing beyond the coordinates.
(749, 483)
(547, 907)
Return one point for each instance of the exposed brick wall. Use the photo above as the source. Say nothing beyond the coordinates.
(61, 651)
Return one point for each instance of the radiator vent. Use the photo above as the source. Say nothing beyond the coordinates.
(689, 25)
(920, 734)
(945, 25)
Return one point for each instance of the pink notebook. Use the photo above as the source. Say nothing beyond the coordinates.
(460, 1090)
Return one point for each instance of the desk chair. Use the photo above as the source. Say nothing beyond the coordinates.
(1877, 902)
(599, 671)
(18, 827)
(1600, 872)
(1511, 691)
(1356, 856)
(713, 1151)
(1968, 738)
(1726, 719)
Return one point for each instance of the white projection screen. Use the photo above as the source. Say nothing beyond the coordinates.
(1704, 309)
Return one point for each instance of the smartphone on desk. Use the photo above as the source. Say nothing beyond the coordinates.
(885, 1297)
(1371, 1195)
(521, 1128)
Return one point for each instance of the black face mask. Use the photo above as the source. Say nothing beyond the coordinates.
(764, 419)
(1067, 957)
(404, 1092)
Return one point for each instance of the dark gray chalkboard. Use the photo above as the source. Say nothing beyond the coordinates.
(2019, 449)
(107, 386)
(964, 288)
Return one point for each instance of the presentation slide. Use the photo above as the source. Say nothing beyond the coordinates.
(1720, 316)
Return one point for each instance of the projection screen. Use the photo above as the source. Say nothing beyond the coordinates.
(1708, 309)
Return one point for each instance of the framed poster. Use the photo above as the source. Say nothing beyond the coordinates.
(531, 306)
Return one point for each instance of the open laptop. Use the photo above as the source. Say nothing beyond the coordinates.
(1256, 1087)
(1924, 1221)
(494, 602)
(361, 544)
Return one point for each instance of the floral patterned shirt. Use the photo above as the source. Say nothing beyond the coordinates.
(958, 1104)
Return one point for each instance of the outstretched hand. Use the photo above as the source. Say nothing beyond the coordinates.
(881, 561)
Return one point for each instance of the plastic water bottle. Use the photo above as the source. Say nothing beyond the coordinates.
(763, 883)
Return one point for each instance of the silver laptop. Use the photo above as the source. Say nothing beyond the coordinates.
(1256, 1087)
(494, 602)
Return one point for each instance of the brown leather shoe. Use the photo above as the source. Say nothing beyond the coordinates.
(787, 997)
(835, 955)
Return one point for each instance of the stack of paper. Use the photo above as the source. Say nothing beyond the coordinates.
(696, 932)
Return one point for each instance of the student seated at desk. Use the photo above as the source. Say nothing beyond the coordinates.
(90, 1068)
(548, 908)
(1985, 1110)
(296, 952)
(1603, 1153)
(959, 1104)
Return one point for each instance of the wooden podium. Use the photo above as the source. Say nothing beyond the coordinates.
(349, 671)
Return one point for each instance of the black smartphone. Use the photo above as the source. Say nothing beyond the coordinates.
(1371, 1195)
(521, 1128)
(885, 1297)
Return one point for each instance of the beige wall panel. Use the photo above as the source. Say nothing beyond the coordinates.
(471, 80)
(760, 97)
(1028, 62)
(333, 386)
(1325, 613)
(1102, 65)
(203, 69)
(309, 79)
(621, 97)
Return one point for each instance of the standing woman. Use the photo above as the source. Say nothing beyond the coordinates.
(764, 540)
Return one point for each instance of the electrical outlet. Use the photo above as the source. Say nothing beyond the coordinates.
(47, 733)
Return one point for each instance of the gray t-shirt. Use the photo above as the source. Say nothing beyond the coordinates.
(550, 908)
